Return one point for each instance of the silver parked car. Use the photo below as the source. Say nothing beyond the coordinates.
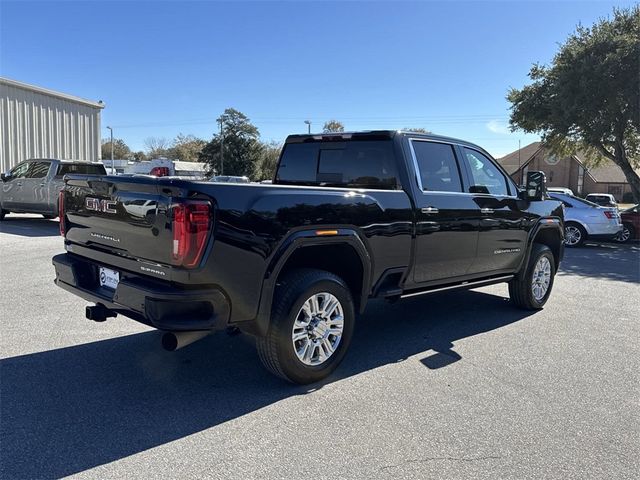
(33, 186)
(584, 220)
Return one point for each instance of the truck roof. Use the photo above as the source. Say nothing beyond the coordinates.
(375, 135)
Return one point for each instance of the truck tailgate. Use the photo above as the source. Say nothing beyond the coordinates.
(127, 216)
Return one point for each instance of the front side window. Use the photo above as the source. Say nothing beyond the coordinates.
(485, 176)
(38, 169)
(20, 171)
(437, 166)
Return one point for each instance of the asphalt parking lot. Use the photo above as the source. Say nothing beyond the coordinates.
(458, 385)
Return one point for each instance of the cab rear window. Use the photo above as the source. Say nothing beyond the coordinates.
(354, 164)
(80, 169)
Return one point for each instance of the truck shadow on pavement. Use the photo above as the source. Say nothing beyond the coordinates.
(68, 410)
(606, 260)
(29, 226)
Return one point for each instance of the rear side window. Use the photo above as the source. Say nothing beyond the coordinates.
(357, 164)
(38, 169)
(438, 167)
(81, 169)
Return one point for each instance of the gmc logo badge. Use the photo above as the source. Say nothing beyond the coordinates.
(99, 205)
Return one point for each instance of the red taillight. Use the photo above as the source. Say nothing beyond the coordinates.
(159, 171)
(61, 212)
(609, 214)
(191, 227)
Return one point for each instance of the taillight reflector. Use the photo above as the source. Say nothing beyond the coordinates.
(160, 171)
(609, 214)
(61, 213)
(191, 226)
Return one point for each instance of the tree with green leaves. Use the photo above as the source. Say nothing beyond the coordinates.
(121, 150)
(589, 97)
(139, 156)
(241, 147)
(332, 126)
(186, 148)
(265, 166)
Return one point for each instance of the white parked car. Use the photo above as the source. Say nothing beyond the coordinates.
(602, 199)
(564, 190)
(584, 220)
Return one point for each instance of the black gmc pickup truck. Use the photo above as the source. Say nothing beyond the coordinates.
(349, 217)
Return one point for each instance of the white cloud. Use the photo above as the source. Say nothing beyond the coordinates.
(497, 126)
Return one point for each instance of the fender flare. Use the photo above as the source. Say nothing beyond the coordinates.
(302, 239)
(579, 222)
(543, 223)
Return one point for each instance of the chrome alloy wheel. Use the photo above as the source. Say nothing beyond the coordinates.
(623, 235)
(572, 235)
(541, 278)
(317, 329)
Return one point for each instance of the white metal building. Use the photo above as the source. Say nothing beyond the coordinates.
(39, 123)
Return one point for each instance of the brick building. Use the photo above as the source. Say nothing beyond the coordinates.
(568, 171)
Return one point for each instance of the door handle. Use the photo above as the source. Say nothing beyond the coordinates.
(43, 184)
(19, 184)
(430, 210)
(486, 210)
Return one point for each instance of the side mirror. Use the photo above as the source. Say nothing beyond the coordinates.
(5, 176)
(535, 187)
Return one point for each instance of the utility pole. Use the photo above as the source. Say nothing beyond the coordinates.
(221, 147)
(520, 164)
(308, 122)
(111, 130)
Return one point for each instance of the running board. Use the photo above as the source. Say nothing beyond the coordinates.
(477, 283)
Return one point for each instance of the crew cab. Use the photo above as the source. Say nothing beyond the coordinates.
(349, 217)
(33, 186)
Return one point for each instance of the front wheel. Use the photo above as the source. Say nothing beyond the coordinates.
(312, 323)
(531, 290)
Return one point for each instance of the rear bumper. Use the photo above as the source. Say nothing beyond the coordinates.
(153, 302)
(603, 237)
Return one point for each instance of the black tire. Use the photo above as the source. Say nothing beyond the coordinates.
(626, 234)
(49, 217)
(276, 349)
(521, 287)
(574, 232)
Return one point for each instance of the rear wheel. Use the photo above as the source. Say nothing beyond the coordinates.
(532, 289)
(625, 234)
(574, 234)
(311, 326)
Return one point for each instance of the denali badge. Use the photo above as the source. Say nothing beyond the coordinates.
(100, 205)
(506, 250)
(105, 237)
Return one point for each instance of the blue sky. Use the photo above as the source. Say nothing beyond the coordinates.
(168, 67)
